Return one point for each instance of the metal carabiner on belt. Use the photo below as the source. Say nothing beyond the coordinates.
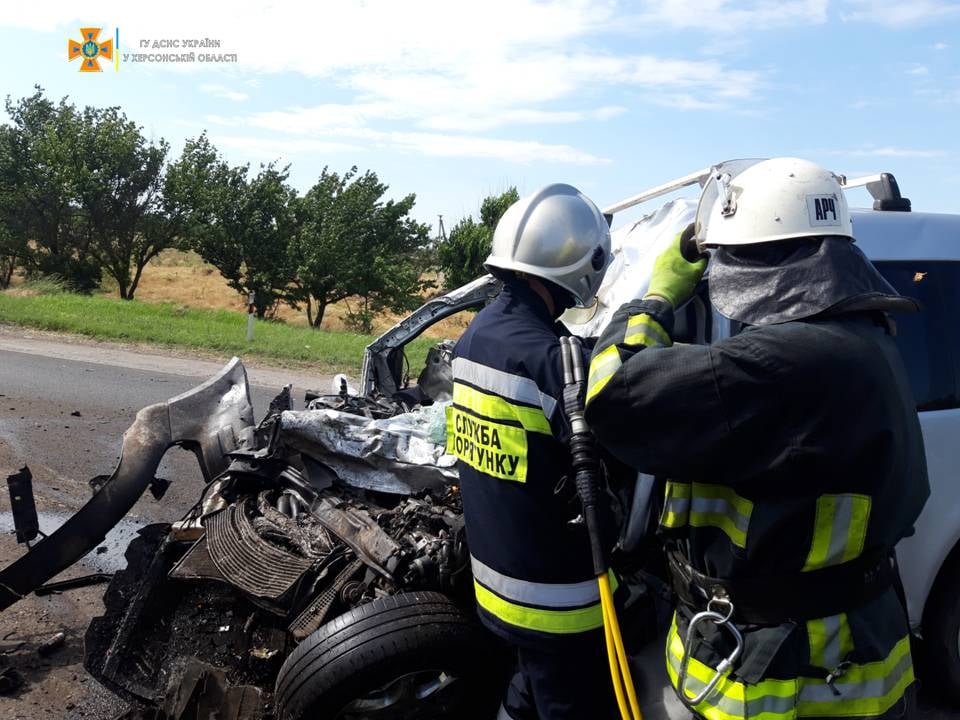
(720, 620)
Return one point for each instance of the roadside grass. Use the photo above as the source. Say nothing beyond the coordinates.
(170, 324)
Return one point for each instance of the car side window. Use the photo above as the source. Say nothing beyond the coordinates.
(929, 341)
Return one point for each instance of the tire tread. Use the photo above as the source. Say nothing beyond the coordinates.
(364, 639)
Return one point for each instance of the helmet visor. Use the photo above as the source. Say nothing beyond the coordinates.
(716, 189)
(581, 314)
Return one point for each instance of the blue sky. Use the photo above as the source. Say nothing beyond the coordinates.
(455, 100)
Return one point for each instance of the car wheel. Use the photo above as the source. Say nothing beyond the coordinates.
(412, 655)
(941, 631)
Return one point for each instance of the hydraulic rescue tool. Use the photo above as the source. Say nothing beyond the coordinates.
(586, 471)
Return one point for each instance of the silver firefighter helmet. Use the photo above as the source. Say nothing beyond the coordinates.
(556, 234)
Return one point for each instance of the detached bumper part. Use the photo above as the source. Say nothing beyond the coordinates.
(211, 420)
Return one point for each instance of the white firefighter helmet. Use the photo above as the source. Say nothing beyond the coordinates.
(555, 234)
(771, 200)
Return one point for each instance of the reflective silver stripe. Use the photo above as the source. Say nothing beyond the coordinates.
(704, 505)
(678, 505)
(643, 329)
(554, 595)
(875, 688)
(781, 705)
(724, 703)
(642, 336)
(841, 529)
(719, 506)
(603, 366)
(832, 647)
(504, 384)
(771, 704)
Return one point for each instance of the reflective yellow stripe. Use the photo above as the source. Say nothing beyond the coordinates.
(528, 592)
(870, 689)
(644, 330)
(731, 700)
(830, 641)
(506, 385)
(704, 505)
(557, 622)
(839, 530)
(676, 506)
(497, 408)
(603, 366)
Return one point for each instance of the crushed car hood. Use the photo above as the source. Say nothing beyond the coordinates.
(404, 454)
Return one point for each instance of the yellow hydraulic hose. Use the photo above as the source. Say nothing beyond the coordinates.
(586, 469)
(614, 663)
(616, 654)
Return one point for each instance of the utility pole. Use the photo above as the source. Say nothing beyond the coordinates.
(441, 232)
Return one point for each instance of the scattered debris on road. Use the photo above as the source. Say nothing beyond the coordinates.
(51, 644)
(74, 583)
(10, 681)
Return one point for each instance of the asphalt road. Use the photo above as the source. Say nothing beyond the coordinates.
(63, 409)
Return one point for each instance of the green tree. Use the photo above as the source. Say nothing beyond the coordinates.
(353, 245)
(119, 180)
(38, 160)
(460, 258)
(494, 206)
(14, 245)
(15, 248)
(241, 225)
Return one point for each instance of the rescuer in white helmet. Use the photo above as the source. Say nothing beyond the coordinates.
(791, 454)
(534, 579)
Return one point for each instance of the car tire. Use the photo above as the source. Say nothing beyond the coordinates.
(361, 663)
(941, 631)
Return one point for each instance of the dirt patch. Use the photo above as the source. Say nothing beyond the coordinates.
(184, 279)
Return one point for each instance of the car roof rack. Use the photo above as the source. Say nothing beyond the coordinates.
(694, 178)
(882, 187)
(884, 190)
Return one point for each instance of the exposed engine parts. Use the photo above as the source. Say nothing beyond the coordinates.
(304, 517)
(271, 554)
(279, 543)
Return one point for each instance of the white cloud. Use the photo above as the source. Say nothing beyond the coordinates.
(887, 151)
(895, 13)
(431, 70)
(356, 122)
(274, 149)
(918, 70)
(435, 144)
(329, 117)
(684, 101)
(222, 91)
(521, 151)
(516, 116)
(730, 16)
(948, 97)
(533, 89)
(521, 92)
(940, 46)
